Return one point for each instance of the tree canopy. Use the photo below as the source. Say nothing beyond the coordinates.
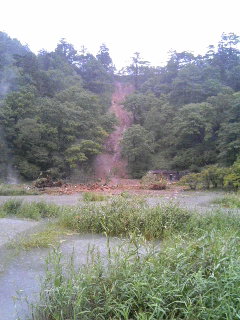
(52, 108)
(54, 119)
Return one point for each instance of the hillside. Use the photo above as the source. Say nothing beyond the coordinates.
(55, 119)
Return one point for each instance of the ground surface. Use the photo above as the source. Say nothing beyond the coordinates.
(20, 270)
(109, 165)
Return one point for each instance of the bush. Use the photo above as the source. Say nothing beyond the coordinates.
(232, 180)
(11, 207)
(191, 180)
(190, 278)
(16, 190)
(229, 201)
(32, 210)
(126, 216)
(209, 177)
(152, 181)
(92, 196)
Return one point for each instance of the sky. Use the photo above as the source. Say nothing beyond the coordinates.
(151, 27)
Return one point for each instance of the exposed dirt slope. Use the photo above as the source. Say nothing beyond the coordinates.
(109, 166)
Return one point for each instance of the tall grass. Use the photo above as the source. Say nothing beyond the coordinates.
(31, 210)
(196, 274)
(126, 216)
(231, 200)
(16, 190)
(93, 196)
(188, 279)
(48, 237)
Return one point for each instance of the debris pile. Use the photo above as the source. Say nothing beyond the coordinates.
(96, 187)
(47, 183)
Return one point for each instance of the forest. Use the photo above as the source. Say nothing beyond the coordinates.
(54, 109)
(53, 112)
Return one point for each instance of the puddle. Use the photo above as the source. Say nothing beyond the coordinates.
(25, 269)
(9, 228)
(71, 200)
(198, 200)
(22, 270)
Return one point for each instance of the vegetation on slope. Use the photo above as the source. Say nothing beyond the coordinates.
(53, 116)
(190, 107)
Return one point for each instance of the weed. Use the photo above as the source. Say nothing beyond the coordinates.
(42, 239)
(196, 274)
(231, 200)
(188, 279)
(125, 194)
(124, 216)
(31, 210)
(93, 196)
(16, 190)
(11, 207)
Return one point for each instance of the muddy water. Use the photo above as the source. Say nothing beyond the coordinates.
(57, 199)
(22, 276)
(22, 270)
(198, 200)
(9, 228)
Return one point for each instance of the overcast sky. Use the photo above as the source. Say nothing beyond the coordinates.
(151, 27)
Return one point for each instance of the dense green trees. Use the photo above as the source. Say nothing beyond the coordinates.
(137, 145)
(192, 108)
(53, 112)
(53, 109)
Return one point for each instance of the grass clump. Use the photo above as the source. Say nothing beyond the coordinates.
(189, 279)
(16, 190)
(93, 196)
(42, 239)
(10, 207)
(31, 210)
(231, 200)
(196, 274)
(123, 217)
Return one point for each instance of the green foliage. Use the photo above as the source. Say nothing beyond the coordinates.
(231, 200)
(137, 146)
(32, 210)
(191, 180)
(152, 181)
(54, 102)
(214, 177)
(104, 58)
(11, 207)
(93, 196)
(49, 120)
(191, 106)
(16, 190)
(195, 275)
(43, 239)
(137, 69)
(139, 105)
(125, 216)
(232, 179)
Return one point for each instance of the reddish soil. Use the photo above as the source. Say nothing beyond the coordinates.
(109, 166)
(131, 186)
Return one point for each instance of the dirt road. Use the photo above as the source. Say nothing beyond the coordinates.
(109, 166)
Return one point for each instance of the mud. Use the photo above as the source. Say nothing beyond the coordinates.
(109, 166)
